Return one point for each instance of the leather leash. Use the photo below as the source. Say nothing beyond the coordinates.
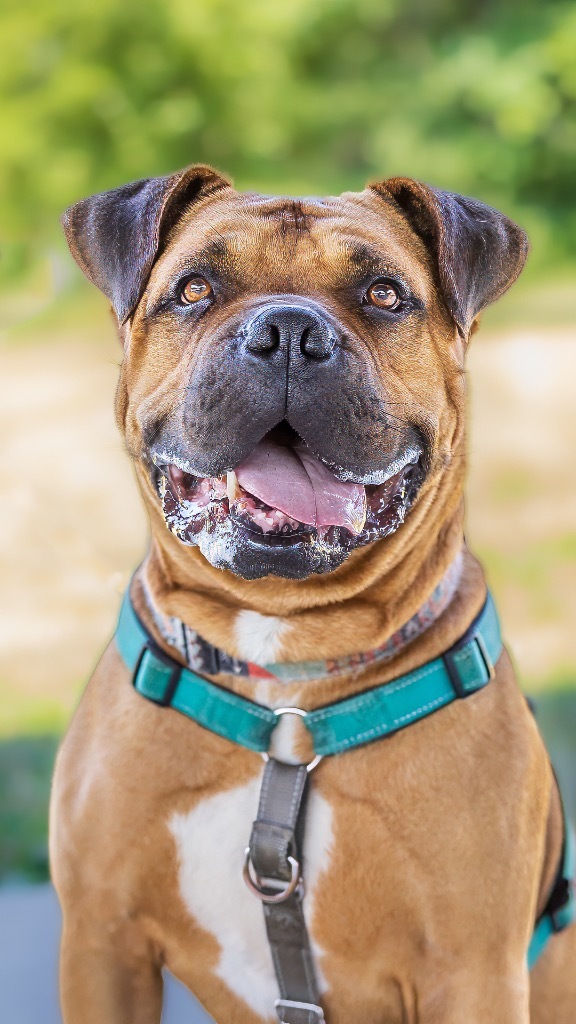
(272, 872)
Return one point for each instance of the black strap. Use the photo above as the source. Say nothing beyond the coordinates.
(562, 892)
(273, 855)
(560, 909)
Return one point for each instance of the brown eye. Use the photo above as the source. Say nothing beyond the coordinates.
(383, 294)
(195, 289)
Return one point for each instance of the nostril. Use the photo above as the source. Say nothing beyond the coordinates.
(263, 337)
(317, 342)
(289, 330)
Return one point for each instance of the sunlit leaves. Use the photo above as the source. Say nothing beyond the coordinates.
(303, 95)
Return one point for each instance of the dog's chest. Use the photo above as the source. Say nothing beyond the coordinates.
(210, 842)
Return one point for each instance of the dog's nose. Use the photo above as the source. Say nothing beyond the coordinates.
(291, 327)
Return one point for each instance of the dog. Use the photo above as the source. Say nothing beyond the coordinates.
(293, 398)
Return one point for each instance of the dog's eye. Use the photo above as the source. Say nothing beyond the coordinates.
(195, 289)
(384, 295)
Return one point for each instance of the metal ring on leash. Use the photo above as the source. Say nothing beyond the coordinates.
(301, 714)
(256, 887)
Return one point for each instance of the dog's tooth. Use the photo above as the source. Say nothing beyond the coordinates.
(358, 524)
(232, 486)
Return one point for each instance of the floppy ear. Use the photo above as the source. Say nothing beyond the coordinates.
(115, 236)
(478, 251)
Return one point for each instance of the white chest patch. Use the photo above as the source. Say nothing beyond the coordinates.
(259, 637)
(210, 841)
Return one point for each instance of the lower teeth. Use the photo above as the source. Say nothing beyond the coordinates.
(268, 521)
(210, 503)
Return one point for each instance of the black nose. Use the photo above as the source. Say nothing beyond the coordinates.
(280, 325)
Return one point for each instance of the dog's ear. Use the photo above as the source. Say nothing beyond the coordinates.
(478, 251)
(115, 236)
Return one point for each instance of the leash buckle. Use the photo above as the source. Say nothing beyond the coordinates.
(485, 657)
(301, 714)
(451, 666)
(291, 1004)
(257, 887)
(152, 649)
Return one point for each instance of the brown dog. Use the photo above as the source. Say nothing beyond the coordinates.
(268, 340)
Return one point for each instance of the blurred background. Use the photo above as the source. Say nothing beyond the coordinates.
(303, 96)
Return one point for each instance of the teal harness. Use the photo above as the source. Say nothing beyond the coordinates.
(464, 669)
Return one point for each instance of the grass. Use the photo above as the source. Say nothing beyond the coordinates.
(532, 568)
(533, 582)
(25, 769)
(556, 714)
(19, 715)
(537, 300)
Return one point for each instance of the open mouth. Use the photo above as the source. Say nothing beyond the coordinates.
(282, 496)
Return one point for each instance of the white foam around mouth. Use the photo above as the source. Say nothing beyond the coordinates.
(380, 476)
(163, 458)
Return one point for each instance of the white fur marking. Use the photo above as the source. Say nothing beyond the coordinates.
(283, 742)
(259, 637)
(210, 841)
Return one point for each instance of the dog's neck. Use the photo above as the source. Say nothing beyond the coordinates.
(355, 609)
(260, 636)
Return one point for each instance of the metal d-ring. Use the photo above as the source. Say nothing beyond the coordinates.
(256, 887)
(301, 714)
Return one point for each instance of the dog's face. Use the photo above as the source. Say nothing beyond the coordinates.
(280, 406)
(293, 370)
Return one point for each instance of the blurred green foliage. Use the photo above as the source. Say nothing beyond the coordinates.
(477, 96)
(26, 769)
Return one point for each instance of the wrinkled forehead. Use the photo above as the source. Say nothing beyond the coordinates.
(295, 244)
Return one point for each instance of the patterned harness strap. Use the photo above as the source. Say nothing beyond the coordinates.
(202, 657)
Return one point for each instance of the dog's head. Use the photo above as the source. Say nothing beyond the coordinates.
(293, 371)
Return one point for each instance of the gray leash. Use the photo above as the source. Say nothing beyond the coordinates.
(272, 872)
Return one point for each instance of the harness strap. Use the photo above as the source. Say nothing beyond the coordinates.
(272, 869)
(560, 909)
(463, 669)
(273, 874)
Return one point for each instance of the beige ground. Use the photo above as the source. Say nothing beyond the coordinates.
(71, 526)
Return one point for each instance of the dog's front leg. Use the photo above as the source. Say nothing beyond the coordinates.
(107, 974)
(496, 996)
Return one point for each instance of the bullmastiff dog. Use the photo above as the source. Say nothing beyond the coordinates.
(293, 397)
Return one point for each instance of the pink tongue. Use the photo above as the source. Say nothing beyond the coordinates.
(293, 481)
